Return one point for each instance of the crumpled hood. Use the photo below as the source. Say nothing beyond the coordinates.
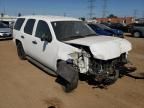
(104, 47)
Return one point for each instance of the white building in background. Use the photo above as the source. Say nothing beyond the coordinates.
(91, 21)
(7, 18)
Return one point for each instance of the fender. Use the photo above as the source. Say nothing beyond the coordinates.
(64, 69)
(65, 50)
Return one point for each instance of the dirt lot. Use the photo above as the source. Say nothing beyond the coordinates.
(22, 85)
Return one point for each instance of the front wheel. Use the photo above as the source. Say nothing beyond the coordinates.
(68, 87)
(67, 76)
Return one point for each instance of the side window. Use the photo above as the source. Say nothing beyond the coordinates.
(29, 26)
(19, 23)
(42, 29)
(94, 27)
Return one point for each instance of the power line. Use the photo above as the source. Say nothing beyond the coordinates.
(91, 8)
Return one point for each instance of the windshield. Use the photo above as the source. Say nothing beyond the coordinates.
(67, 30)
(2, 25)
(102, 26)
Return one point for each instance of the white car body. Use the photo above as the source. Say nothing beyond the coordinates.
(49, 53)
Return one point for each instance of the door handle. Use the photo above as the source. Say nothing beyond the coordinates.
(34, 42)
(22, 37)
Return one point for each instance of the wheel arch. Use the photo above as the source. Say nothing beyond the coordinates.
(58, 61)
(17, 41)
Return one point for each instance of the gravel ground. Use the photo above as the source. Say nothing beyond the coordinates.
(23, 85)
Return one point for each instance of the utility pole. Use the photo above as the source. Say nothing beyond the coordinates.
(91, 8)
(4, 9)
(135, 13)
(2, 6)
(104, 8)
(142, 14)
(64, 14)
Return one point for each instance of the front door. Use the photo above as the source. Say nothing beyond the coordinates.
(44, 52)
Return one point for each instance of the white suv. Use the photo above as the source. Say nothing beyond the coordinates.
(69, 47)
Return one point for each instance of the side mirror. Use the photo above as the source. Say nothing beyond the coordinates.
(46, 38)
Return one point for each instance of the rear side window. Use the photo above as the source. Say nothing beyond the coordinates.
(19, 23)
(42, 29)
(29, 26)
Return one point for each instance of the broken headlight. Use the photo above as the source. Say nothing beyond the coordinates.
(74, 55)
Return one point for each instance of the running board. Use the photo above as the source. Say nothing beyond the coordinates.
(44, 68)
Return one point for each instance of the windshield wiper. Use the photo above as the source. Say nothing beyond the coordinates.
(93, 34)
(72, 37)
(75, 37)
(78, 36)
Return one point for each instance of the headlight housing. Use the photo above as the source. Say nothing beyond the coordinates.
(74, 55)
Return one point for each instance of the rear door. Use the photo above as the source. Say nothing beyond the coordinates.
(17, 28)
(27, 36)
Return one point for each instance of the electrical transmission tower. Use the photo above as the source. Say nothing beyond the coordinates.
(104, 8)
(91, 8)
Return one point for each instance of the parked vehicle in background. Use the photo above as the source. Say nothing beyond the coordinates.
(137, 29)
(102, 29)
(69, 47)
(139, 20)
(118, 26)
(5, 31)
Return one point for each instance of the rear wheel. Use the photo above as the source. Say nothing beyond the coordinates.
(20, 51)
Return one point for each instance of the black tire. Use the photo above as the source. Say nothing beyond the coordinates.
(136, 34)
(68, 87)
(20, 51)
(67, 76)
(112, 79)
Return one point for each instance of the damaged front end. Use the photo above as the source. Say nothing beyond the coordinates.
(100, 59)
(100, 70)
(107, 70)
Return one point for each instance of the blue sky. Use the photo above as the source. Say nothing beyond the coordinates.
(75, 8)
